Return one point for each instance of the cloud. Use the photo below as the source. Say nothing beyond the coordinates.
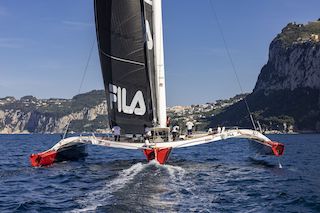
(77, 24)
(14, 43)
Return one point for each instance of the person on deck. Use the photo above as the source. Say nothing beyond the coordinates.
(147, 135)
(219, 130)
(116, 130)
(175, 132)
(147, 132)
(189, 125)
(168, 121)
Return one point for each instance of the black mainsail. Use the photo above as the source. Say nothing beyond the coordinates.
(124, 33)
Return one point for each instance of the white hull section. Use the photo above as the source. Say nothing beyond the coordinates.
(206, 138)
(159, 151)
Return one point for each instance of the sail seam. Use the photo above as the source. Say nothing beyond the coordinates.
(122, 59)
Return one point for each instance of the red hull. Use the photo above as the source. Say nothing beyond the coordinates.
(277, 148)
(47, 158)
(43, 159)
(161, 155)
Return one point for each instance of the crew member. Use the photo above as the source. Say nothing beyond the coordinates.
(219, 130)
(116, 130)
(189, 125)
(147, 132)
(147, 135)
(168, 121)
(175, 132)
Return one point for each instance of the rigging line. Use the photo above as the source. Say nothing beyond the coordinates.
(232, 62)
(82, 81)
(87, 65)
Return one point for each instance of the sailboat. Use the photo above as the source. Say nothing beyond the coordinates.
(130, 44)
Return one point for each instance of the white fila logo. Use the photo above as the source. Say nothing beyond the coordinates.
(119, 95)
(149, 36)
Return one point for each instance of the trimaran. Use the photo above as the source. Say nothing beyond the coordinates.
(130, 43)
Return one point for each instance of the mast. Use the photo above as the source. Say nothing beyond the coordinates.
(159, 63)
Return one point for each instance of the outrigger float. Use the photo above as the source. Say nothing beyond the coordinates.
(130, 44)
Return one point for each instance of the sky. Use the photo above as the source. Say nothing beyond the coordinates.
(44, 46)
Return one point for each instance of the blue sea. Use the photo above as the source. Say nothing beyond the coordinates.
(224, 176)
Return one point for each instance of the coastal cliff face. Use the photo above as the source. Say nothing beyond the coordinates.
(294, 59)
(287, 92)
(88, 112)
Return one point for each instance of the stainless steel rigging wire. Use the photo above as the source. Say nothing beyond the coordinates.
(231, 61)
(84, 73)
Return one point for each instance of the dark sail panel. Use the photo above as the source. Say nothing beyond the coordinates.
(120, 26)
(148, 11)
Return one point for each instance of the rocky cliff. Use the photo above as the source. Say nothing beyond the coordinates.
(287, 92)
(294, 59)
(87, 112)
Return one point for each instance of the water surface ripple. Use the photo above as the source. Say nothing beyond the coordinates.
(221, 177)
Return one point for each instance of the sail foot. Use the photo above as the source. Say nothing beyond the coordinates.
(161, 155)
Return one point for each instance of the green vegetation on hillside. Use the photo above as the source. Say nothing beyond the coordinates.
(56, 107)
(299, 108)
(76, 104)
(101, 122)
(40, 115)
(299, 33)
(87, 100)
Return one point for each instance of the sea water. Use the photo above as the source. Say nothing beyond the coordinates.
(224, 176)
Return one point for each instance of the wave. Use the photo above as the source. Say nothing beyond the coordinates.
(103, 196)
(176, 172)
(95, 199)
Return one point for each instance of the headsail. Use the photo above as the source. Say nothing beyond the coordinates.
(127, 70)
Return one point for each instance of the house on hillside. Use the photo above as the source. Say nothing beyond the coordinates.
(315, 37)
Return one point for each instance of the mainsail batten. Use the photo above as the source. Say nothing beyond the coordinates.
(123, 59)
